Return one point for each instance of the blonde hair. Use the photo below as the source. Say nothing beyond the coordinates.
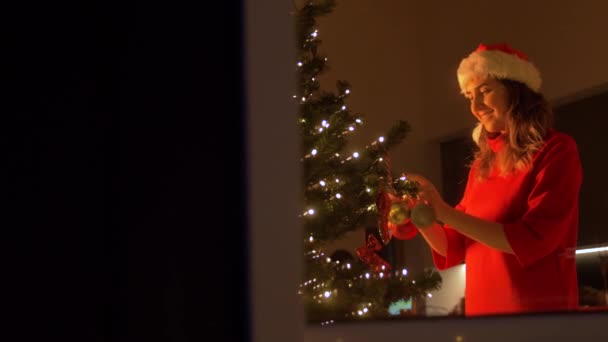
(528, 119)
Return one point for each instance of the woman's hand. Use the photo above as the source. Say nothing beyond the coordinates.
(427, 192)
(489, 233)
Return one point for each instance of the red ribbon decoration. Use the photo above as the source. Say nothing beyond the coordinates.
(368, 255)
(383, 203)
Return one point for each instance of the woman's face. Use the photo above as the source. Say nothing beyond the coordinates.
(489, 103)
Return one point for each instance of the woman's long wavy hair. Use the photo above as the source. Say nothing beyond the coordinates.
(529, 118)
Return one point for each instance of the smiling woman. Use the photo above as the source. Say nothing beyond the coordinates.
(495, 329)
(518, 217)
(488, 98)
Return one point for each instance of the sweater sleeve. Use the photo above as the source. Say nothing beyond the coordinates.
(552, 204)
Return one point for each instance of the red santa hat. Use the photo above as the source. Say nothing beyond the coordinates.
(499, 61)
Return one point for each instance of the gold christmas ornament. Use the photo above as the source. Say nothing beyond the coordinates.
(398, 213)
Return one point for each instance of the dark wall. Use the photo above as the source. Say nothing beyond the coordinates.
(586, 120)
(456, 155)
(124, 126)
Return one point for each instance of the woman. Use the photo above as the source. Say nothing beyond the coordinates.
(516, 225)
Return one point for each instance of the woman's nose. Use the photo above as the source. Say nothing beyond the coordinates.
(477, 103)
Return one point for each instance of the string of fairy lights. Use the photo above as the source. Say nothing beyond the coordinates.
(323, 292)
(323, 125)
(325, 183)
(325, 295)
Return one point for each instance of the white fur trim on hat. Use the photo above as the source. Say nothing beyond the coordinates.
(476, 133)
(500, 65)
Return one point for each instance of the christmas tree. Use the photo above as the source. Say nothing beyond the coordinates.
(347, 191)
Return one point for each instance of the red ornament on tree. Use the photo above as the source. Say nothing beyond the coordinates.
(395, 217)
(404, 231)
(394, 211)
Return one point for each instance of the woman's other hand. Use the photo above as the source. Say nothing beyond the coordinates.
(427, 192)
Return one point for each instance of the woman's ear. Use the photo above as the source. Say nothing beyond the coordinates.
(476, 133)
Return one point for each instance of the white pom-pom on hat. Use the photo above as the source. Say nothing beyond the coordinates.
(499, 61)
(476, 133)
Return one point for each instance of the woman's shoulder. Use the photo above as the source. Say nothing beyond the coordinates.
(559, 157)
(559, 140)
(558, 145)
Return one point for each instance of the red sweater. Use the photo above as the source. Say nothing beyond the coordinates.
(539, 211)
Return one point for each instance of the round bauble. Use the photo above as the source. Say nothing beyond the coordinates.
(398, 213)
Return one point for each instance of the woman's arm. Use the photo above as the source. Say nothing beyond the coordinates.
(436, 238)
(489, 233)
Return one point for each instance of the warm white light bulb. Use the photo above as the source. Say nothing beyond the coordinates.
(381, 139)
(381, 275)
(337, 180)
(299, 63)
(351, 128)
(314, 34)
(380, 159)
(358, 121)
(311, 239)
(360, 312)
(347, 91)
(328, 260)
(356, 154)
(591, 250)
(430, 295)
(368, 190)
(320, 129)
(303, 99)
(343, 107)
(338, 196)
